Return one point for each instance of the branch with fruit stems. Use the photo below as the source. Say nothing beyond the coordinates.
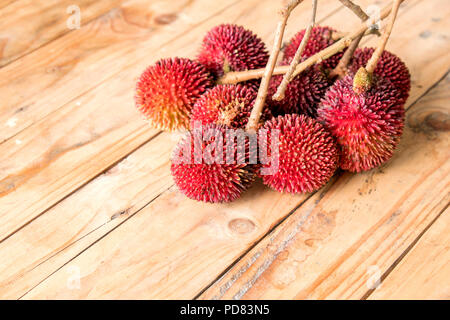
(279, 95)
(341, 69)
(363, 77)
(268, 70)
(356, 9)
(239, 76)
(372, 63)
(337, 35)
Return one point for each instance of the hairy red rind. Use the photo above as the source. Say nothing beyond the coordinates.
(208, 180)
(308, 155)
(367, 126)
(167, 91)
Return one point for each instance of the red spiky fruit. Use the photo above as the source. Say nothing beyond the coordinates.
(389, 67)
(302, 95)
(229, 105)
(229, 47)
(308, 155)
(167, 90)
(367, 125)
(320, 38)
(202, 170)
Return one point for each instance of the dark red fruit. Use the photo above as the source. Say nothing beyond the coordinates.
(308, 155)
(302, 95)
(389, 67)
(202, 171)
(167, 90)
(230, 105)
(367, 125)
(229, 47)
(320, 38)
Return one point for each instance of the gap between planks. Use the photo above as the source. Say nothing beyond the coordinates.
(404, 253)
(45, 120)
(90, 10)
(425, 270)
(231, 13)
(140, 125)
(79, 54)
(443, 85)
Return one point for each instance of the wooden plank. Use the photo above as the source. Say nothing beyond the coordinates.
(5, 3)
(52, 249)
(424, 273)
(26, 25)
(61, 152)
(201, 237)
(336, 246)
(38, 249)
(49, 78)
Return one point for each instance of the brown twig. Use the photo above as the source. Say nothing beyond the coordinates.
(362, 80)
(268, 70)
(337, 35)
(235, 77)
(356, 9)
(279, 95)
(372, 63)
(341, 69)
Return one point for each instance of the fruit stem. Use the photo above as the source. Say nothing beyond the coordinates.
(341, 69)
(279, 95)
(356, 9)
(364, 76)
(239, 76)
(338, 35)
(268, 70)
(372, 63)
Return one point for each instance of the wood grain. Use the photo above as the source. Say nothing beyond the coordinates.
(65, 230)
(103, 230)
(424, 273)
(164, 273)
(29, 24)
(336, 246)
(52, 76)
(5, 3)
(35, 265)
(78, 141)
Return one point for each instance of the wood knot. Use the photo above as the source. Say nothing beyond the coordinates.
(241, 226)
(430, 119)
(165, 18)
(439, 121)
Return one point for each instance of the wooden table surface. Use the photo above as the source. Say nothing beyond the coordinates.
(88, 208)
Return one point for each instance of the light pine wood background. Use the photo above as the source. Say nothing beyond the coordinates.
(88, 208)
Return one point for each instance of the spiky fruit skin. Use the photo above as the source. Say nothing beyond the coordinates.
(229, 105)
(302, 95)
(389, 67)
(308, 155)
(201, 178)
(319, 39)
(229, 47)
(167, 91)
(367, 126)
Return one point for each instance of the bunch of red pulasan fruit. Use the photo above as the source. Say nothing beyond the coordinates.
(322, 123)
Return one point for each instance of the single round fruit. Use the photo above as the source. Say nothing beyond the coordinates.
(367, 125)
(307, 153)
(389, 67)
(320, 38)
(302, 95)
(209, 166)
(167, 90)
(229, 105)
(229, 47)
